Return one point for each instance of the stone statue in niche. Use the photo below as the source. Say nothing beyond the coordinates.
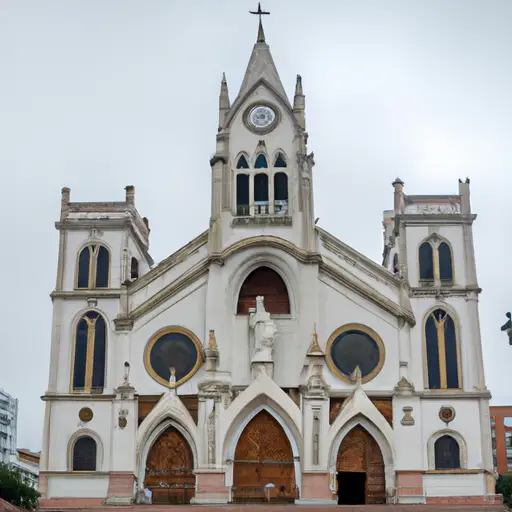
(507, 327)
(172, 380)
(264, 333)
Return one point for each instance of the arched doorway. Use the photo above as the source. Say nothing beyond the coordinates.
(360, 467)
(169, 469)
(263, 466)
(267, 283)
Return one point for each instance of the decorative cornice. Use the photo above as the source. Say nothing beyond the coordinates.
(435, 219)
(445, 291)
(444, 394)
(269, 241)
(123, 324)
(218, 158)
(360, 261)
(116, 224)
(76, 397)
(174, 259)
(342, 277)
(259, 220)
(97, 293)
(173, 288)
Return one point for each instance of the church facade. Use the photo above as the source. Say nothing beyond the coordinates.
(266, 359)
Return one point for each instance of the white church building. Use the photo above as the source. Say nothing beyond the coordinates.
(266, 359)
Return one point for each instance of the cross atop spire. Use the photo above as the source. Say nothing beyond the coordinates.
(260, 12)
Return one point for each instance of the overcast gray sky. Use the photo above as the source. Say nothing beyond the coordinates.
(98, 94)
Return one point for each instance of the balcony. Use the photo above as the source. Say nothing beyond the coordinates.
(263, 212)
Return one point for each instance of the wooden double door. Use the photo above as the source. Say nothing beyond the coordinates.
(263, 465)
(360, 467)
(169, 469)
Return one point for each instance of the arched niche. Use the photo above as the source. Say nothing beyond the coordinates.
(264, 281)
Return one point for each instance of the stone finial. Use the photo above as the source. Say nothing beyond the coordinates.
(65, 195)
(212, 342)
(298, 86)
(314, 348)
(356, 376)
(130, 194)
(465, 201)
(146, 223)
(399, 205)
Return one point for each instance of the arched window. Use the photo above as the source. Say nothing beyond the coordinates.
(447, 453)
(435, 261)
(445, 262)
(242, 163)
(261, 162)
(396, 267)
(93, 267)
(442, 351)
(134, 268)
(84, 454)
(280, 193)
(90, 354)
(426, 256)
(267, 283)
(242, 194)
(280, 160)
(261, 194)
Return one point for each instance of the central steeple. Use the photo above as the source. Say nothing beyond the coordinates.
(261, 171)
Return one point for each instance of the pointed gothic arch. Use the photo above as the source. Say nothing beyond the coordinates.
(92, 268)
(168, 412)
(435, 260)
(441, 349)
(262, 394)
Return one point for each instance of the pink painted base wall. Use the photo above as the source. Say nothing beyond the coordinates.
(315, 486)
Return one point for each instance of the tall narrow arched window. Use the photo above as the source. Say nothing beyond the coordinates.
(261, 162)
(426, 257)
(84, 454)
(267, 283)
(93, 267)
(445, 262)
(447, 453)
(134, 268)
(435, 259)
(90, 354)
(242, 163)
(261, 202)
(242, 194)
(442, 350)
(280, 160)
(280, 193)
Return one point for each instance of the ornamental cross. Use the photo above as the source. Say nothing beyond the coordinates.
(259, 12)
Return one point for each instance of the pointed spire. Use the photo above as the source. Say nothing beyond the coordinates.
(299, 103)
(261, 65)
(224, 104)
(314, 348)
(261, 33)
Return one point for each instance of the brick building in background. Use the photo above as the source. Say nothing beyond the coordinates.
(501, 425)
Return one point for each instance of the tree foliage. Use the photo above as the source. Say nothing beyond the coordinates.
(15, 489)
(504, 486)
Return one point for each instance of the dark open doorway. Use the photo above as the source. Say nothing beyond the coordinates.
(351, 488)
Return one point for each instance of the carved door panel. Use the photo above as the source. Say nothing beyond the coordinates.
(359, 452)
(264, 455)
(169, 468)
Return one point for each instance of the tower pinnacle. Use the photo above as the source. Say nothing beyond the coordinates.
(261, 33)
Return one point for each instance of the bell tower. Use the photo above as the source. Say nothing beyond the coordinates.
(261, 170)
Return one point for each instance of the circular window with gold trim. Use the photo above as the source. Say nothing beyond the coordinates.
(173, 350)
(354, 345)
